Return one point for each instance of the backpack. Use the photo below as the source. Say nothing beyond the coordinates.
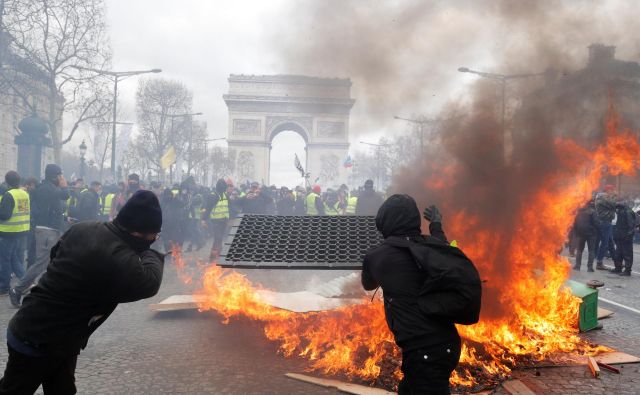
(453, 289)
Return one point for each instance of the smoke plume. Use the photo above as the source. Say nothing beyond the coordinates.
(403, 58)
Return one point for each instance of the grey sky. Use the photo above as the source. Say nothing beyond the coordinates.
(402, 55)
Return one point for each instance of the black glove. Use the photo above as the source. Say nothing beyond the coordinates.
(432, 214)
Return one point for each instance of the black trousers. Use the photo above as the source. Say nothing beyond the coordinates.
(24, 374)
(624, 252)
(427, 370)
(590, 241)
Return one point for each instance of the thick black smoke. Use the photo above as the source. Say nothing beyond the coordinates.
(403, 57)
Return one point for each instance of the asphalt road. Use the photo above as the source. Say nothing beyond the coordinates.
(140, 352)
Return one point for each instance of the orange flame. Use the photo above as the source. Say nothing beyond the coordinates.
(542, 319)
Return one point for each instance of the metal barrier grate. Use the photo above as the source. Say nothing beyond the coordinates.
(299, 242)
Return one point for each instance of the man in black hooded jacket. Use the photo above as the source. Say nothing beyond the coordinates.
(430, 347)
(94, 266)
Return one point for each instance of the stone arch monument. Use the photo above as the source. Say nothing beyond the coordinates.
(261, 106)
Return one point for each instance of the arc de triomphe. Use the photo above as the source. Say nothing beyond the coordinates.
(261, 106)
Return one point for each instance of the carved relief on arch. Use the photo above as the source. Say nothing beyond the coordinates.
(246, 127)
(246, 166)
(329, 168)
(329, 129)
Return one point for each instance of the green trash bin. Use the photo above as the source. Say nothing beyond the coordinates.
(588, 316)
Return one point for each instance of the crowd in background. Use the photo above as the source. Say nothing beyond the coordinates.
(33, 215)
(607, 226)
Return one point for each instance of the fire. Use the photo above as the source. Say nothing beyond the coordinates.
(538, 316)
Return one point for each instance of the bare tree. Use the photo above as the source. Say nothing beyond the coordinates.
(159, 103)
(59, 38)
(221, 161)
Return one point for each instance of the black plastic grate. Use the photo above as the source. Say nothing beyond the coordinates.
(300, 242)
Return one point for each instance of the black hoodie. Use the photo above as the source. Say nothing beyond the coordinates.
(94, 266)
(394, 270)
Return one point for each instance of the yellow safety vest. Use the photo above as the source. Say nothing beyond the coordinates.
(351, 205)
(108, 200)
(311, 204)
(328, 210)
(20, 220)
(221, 210)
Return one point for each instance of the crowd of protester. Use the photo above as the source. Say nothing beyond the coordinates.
(33, 215)
(607, 226)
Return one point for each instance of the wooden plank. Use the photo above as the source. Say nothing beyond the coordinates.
(517, 387)
(593, 366)
(348, 388)
(604, 313)
(177, 302)
(616, 357)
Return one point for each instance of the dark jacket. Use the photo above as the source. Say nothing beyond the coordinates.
(395, 270)
(586, 223)
(255, 203)
(286, 204)
(94, 266)
(606, 209)
(626, 222)
(47, 205)
(369, 201)
(88, 206)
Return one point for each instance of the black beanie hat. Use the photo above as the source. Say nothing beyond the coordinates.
(141, 213)
(52, 171)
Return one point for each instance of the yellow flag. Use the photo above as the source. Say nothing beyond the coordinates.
(168, 158)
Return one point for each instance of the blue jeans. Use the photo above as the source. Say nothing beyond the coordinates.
(12, 251)
(605, 232)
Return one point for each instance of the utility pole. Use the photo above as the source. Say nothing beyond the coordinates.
(422, 123)
(117, 76)
(501, 79)
(378, 161)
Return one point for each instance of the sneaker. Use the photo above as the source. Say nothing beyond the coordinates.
(615, 270)
(576, 267)
(600, 266)
(625, 273)
(15, 297)
(590, 269)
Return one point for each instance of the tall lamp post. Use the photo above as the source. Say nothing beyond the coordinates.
(378, 148)
(117, 76)
(501, 79)
(422, 123)
(83, 152)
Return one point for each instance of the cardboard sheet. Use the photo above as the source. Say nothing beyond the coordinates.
(298, 302)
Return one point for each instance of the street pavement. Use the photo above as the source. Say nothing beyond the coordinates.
(140, 352)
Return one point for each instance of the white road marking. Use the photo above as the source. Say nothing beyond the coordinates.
(619, 305)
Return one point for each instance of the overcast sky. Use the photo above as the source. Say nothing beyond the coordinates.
(402, 55)
(198, 43)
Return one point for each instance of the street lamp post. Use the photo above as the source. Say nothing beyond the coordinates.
(117, 76)
(83, 151)
(502, 79)
(378, 147)
(422, 123)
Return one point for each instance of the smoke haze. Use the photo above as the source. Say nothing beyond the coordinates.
(403, 57)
